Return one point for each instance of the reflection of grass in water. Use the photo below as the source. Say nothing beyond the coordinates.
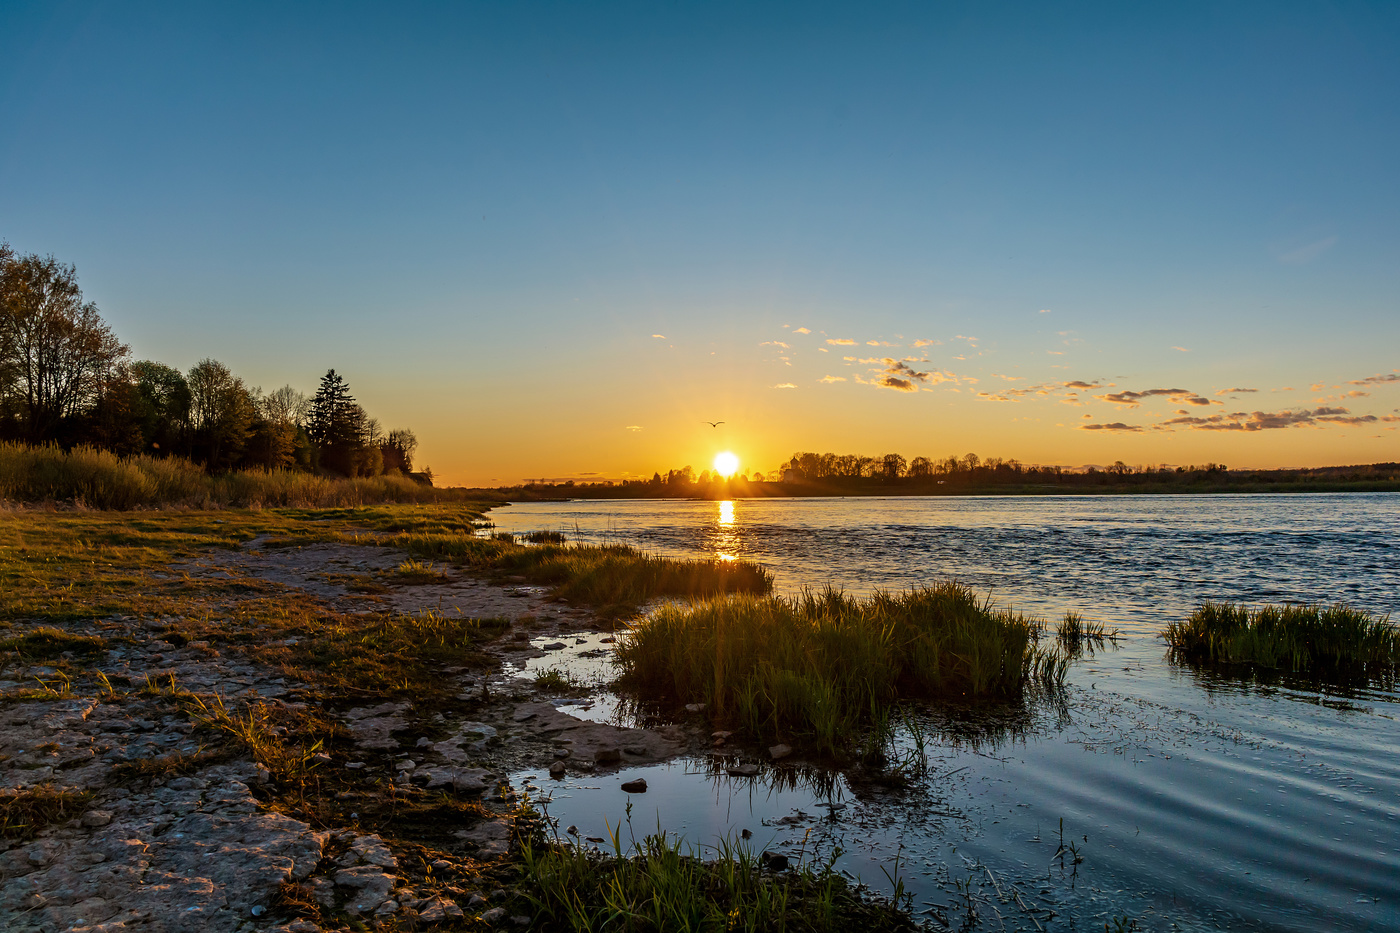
(668, 885)
(828, 668)
(1316, 640)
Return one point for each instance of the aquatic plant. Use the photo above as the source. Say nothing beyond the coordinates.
(827, 667)
(1302, 638)
(1077, 636)
(669, 886)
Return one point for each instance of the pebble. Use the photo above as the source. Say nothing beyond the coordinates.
(557, 769)
(777, 752)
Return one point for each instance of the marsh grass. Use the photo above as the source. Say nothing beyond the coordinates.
(826, 667)
(1301, 639)
(667, 886)
(24, 813)
(561, 681)
(417, 572)
(46, 642)
(615, 578)
(1076, 636)
(285, 740)
(102, 480)
(543, 537)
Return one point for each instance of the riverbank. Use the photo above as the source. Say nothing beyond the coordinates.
(285, 720)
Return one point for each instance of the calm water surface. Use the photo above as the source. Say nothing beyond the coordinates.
(1194, 801)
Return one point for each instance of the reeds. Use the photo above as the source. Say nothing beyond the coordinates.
(1300, 639)
(100, 479)
(828, 667)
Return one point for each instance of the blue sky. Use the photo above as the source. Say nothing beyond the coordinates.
(481, 213)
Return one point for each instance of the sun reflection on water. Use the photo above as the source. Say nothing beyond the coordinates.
(725, 538)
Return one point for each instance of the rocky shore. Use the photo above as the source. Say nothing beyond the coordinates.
(157, 782)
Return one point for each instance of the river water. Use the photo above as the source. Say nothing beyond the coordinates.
(1191, 800)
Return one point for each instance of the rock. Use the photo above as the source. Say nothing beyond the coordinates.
(604, 756)
(407, 764)
(694, 707)
(461, 780)
(437, 910)
(747, 769)
(494, 915)
(777, 752)
(95, 818)
(423, 741)
(441, 864)
(557, 769)
(554, 646)
(520, 920)
(721, 735)
(371, 887)
(372, 726)
(639, 786)
(258, 910)
(560, 752)
(522, 715)
(638, 750)
(491, 837)
(774, 861)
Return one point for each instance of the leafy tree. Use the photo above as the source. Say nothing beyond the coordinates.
(222, 414)
(56, 352)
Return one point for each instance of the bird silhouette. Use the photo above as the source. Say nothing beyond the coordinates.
(714, 424)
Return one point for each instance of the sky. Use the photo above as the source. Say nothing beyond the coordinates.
(555, 239)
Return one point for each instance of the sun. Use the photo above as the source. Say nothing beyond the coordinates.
(726, 464)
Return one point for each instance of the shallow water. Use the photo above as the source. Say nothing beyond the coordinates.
(1207, 801)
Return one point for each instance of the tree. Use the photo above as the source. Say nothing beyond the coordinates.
(892, 466)
(56, 352)
(336, 424)
(398, 451)
(222, 413)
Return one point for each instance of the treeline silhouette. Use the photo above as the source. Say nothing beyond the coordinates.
(66, 379)
(812, 474)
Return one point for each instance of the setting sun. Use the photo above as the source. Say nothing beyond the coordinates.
(726, 464)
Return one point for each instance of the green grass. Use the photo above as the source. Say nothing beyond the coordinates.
(826, 667)
(615, 578)
(102, 480)
(1076, 636)
(1300, 639)
(669, 887)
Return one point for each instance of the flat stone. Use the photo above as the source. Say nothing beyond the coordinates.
(639, 786)
(95, 818)
(694, 707)
(605, 756)
(779, 751)
(747, 769)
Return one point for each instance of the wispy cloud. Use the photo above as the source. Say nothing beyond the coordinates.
(878, 343)
(1133, 399)
(774, 343)
(1044, 310)
(633, 427)
(659, 336)
(1181, 349)
(1235, 391)
(840, 342)
(1270, 420)
(833, 379)
(785, 385)
(802, 330)
(1377, 379)
(926, 343)
(1112, 426)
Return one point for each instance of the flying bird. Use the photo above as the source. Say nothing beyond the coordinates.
(714, 424)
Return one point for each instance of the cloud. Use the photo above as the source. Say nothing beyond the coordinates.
(878, 343)
(1181, 349)
(970, 340)
(785, 385)
(1009, 378)
(1080, 384)
(633, 427)
(1132, 399)
(1377, 379)
(659, 336)
(1111, 426)
(893, 382)
(1269, 421)
(774, 343)
(903, 369)
(802, 330)
(833, 379)
(1306, 254)
(1356, 393)
(840, 342)
(926, 343)
(1234, 391)
(1044, 310)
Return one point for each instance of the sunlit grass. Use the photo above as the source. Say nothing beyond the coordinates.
(24, 813)
(826, 667)
(1300, 639)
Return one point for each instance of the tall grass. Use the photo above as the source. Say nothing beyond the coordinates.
(611, 576)
(102, 480)
(1300, 639)
(828, 667)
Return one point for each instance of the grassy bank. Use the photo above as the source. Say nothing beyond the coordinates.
(102, 480)
(613, 577)
(1299, 639)
(825, 667)
(667, 887)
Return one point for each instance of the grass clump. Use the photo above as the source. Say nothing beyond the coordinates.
(544, 537)
(1076, 636)
(23, 813)
(47, 642)
(668, 887)
(1307, 639)
(826, 666)
(613, 577)
(413, 571)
